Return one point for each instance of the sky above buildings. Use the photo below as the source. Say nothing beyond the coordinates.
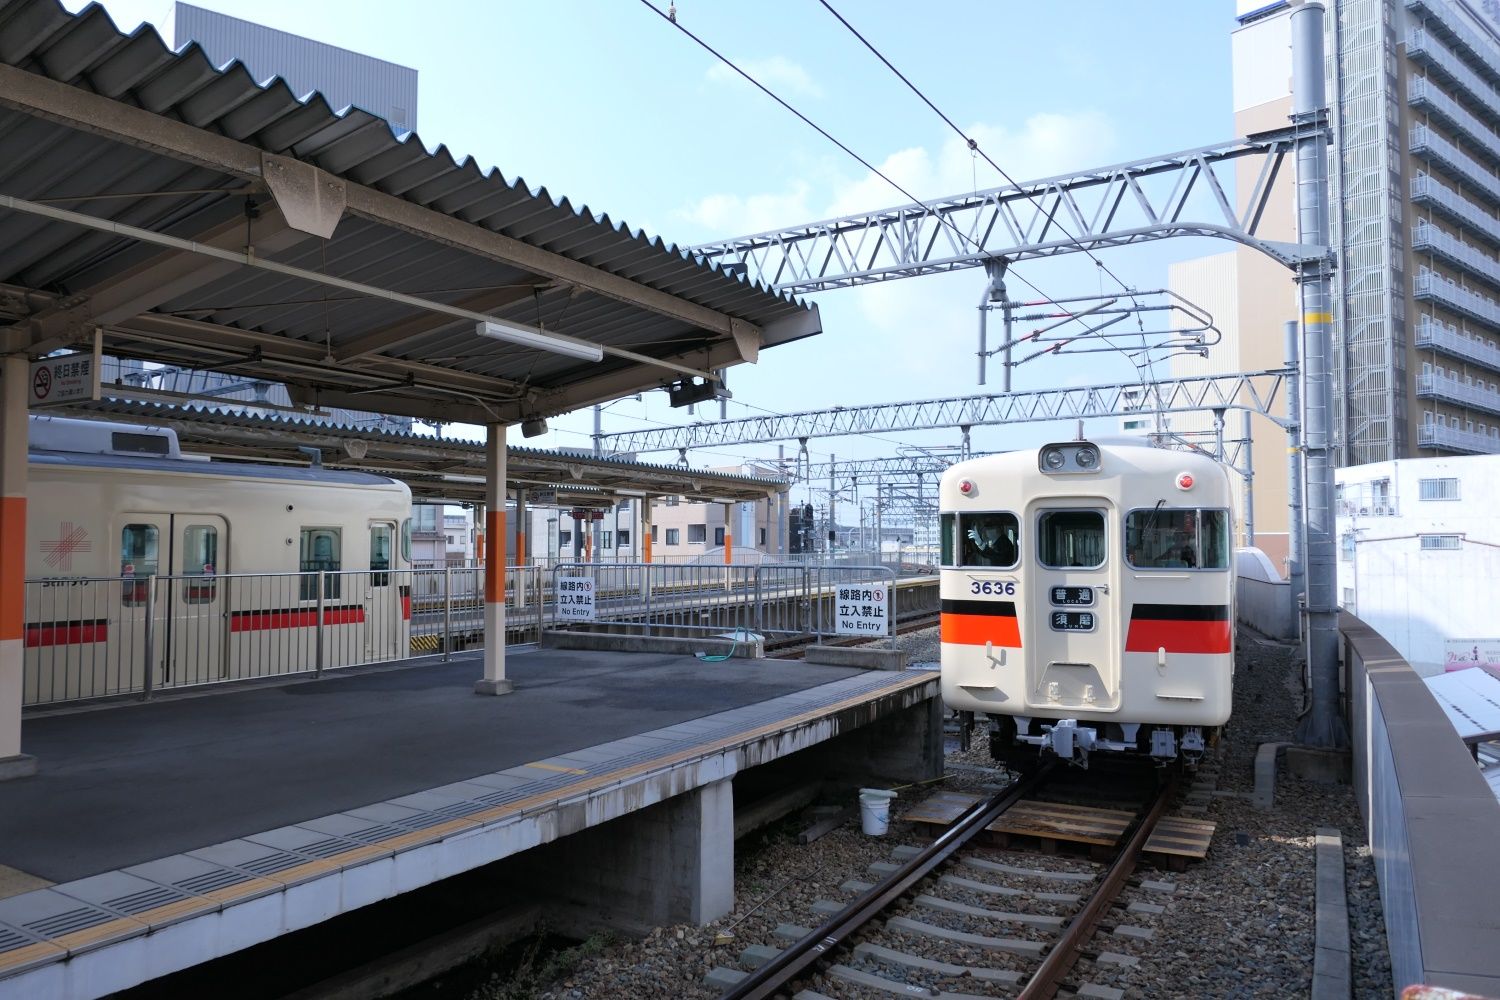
(607, 104)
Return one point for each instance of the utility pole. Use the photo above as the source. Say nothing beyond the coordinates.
(833, 529)
(1322, 726)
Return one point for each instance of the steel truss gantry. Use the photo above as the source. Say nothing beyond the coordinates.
(1118, 205)
(1253, 391)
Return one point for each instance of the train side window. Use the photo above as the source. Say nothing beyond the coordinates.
(138, 560)
(380, 555)
(1213, 538)
(321, 552)
(406, 541)
(989, 539)
(200, 563)
(1071, 539)
(947, 525)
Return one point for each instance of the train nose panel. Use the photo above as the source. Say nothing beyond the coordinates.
(1083, 686)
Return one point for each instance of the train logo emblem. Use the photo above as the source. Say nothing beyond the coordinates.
(71, 539)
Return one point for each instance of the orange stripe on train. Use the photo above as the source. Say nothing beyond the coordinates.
(976, 630)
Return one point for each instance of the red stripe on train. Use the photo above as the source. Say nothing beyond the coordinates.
(1149, 635)
(256, 621)
(405, 604)
(67, 633)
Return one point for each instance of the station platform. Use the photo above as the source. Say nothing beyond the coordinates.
(181, 830)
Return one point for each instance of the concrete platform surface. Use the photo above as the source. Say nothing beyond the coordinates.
(130, 784)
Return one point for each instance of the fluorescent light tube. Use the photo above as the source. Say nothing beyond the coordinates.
(525, 336)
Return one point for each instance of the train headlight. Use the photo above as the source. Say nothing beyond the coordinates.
(1053, 459)
(1087, 458)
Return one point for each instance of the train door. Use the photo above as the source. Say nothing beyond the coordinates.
(1075, 665)
(383, 590)
(187, 612)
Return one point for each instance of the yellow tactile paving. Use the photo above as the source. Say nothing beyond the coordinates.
(30, 952)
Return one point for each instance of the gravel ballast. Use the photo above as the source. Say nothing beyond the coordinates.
(1239, 924)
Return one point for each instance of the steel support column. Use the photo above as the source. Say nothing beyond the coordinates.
(1322, 726)
(494, 680)
(1295, 526)
(15, 374)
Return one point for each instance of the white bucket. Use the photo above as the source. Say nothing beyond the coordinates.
(875, 810)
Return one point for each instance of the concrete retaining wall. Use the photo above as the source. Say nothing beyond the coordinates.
(1265, 606)
(1430, 819)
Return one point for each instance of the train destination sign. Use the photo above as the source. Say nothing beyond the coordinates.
(1077, 597)
(68, 378)
(575, 598)
(1072, 621)
(864, 609)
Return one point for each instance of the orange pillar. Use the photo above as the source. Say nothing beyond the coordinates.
(15, 376)
(494, 680)
(728, 534)
(646, 528)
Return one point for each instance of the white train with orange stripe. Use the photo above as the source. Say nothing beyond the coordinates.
(1088, 599)
(240, 553)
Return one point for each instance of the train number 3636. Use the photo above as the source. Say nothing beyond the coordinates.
(997, 588)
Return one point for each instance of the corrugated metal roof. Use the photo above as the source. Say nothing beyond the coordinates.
(123, 181)
(419, 459)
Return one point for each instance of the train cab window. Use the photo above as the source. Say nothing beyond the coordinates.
(1175, 538)
(1071, 539)
(138, 560)
(406, 541)
(321, 552)
(200, 563)
(989, 539)
(380, 555)
(947, 525)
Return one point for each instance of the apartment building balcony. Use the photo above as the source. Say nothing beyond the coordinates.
(1457, 392)
(1430, 286)
(1433, 334)
(1423, 141)
(1425, 236)
(1426, 51)
(1423, 95)
(1453, 439)
(1477, 50)
(1433, 193)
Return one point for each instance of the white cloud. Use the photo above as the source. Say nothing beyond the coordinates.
(719, 215)
(777, 73)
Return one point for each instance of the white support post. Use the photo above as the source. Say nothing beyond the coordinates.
(494, 680)
(15, 375)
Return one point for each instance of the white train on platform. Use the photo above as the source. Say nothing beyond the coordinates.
(249, 561)
(1088, 599)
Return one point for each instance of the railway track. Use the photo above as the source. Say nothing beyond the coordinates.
(921, 905)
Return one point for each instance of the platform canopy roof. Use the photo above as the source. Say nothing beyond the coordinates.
(436, 469)
(185, 214)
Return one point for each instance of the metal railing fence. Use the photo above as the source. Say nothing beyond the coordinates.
(97, 637)
(674, 599)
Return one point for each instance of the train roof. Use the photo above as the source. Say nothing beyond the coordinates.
(142, 463)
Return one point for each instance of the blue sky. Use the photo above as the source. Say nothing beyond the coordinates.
(607, 104)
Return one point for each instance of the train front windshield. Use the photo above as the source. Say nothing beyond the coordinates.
(1176, 538)
(987, 538)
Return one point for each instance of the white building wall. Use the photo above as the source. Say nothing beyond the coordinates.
(1417, 598)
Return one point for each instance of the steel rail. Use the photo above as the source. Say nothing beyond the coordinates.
(776, 974)
(1061, 957)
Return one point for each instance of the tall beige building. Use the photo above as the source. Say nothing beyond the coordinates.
(1414, 89)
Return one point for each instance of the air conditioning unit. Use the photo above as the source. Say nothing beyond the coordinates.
(1379, 511)
(1364, 510)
